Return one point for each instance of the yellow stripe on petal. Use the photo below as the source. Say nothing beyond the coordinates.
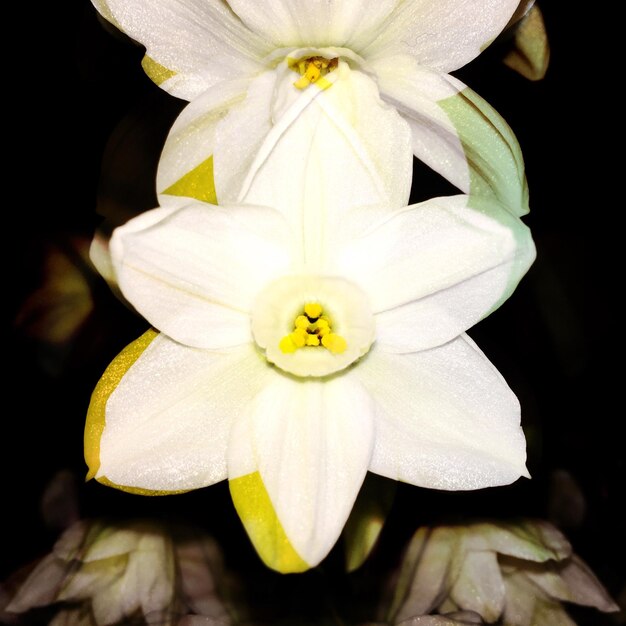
(105, 387)
(96, 413)
(255, 509)
(138, 491)
(198, 183)
(156, 72)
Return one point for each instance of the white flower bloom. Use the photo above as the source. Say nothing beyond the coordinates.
(240, 61)
(302, 346)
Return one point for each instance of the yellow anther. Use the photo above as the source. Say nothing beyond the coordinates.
(312, 73)
(299, 337)
(302, 83)
(286, 345)
(313, 310)
(302, 321)
(311, 330)
(312, 340)
(335, 343)
(312, 69)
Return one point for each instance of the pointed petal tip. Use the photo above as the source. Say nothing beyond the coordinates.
(259, 518)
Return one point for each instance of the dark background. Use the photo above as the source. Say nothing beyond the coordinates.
(84, 103)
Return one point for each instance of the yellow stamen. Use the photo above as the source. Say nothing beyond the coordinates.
(313, 310)
(312, 329)
(312, 69)
(299, 337)
(286, 345)
(302, 321)
(335, 343)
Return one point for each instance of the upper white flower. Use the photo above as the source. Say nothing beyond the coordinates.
(239, 62)
(304, 344)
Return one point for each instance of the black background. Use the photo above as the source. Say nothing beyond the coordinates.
(556, 341)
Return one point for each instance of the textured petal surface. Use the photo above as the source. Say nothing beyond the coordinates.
(455, 131)
(445, 418)
(348, 23)
(311, 443)
(194, 274)
(531, 540)
(479, 586)
(191, 140)
(425, 571)
(169, 419)
(197, 43)
(442, 35)
(435, 269)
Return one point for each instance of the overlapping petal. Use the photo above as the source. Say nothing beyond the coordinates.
(345, 134)
(455, 131)
(196, 43)
(435, 269)
(442, 35)
(168, 421)
(195, 273)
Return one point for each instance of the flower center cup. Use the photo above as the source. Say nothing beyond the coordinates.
(312, 326)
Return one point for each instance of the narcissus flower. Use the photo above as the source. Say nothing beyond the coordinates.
(300, 349)
(514, 573)
(251, 68)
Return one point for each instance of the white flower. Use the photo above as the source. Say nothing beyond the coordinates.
(301, 347)
(386, 60)
(515, 573)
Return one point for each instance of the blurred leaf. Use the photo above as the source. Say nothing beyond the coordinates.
(530, 55)
(367, 519)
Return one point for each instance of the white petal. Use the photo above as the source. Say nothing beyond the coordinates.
(190, 142)
(194, 274)
(530, 540)
(202, 42)
(455, 131)
(147, 582)
(443, 35)
(573, 581)
(425, 575)
(311, 443)
(42, 585)
(446, 418)
(169, 419)
(344, 132)
(435, 269)
(240, 135)
(333, 150)
(479, 586)
(319, 23)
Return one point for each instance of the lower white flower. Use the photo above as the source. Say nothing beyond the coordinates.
(292, 360)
